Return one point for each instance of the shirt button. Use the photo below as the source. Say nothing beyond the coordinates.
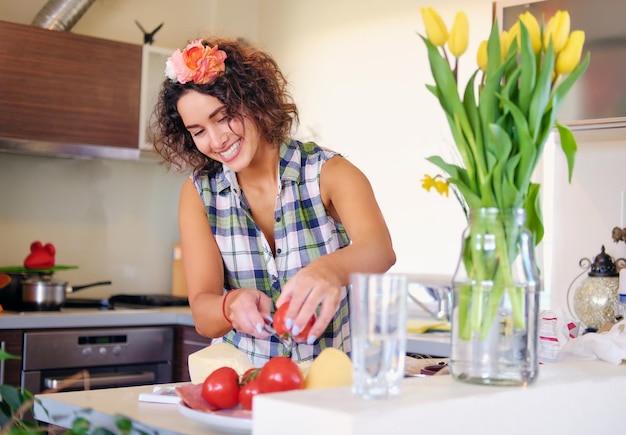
(278, 219)
(278, 251)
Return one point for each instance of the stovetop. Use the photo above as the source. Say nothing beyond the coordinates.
(115, 302)
(128, 301)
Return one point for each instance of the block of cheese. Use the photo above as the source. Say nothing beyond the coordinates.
(203, 362)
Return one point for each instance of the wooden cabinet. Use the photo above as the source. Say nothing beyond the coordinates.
(62, 87)
(186, 342)
(11, 341)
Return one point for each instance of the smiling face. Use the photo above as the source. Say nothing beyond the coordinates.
(232, 141)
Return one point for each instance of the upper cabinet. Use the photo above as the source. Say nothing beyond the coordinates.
(152, 77)
(68, 89)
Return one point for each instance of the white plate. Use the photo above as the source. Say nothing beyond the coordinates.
(227, 420)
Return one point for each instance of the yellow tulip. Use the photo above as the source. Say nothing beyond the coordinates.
(505, 42)
(481, 56)
(436, 29)
(459, 35)
(569, 57)
(513, 37)
(532, 26)
(557, 31)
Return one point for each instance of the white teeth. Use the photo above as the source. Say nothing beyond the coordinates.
(231, 151)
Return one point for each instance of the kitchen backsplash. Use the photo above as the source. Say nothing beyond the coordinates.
(115, 220)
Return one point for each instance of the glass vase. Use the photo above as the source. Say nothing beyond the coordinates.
(495, 301)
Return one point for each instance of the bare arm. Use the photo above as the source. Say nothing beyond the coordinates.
(349, 198)
(204, 276)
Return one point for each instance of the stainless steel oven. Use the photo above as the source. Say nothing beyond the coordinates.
(112, 357)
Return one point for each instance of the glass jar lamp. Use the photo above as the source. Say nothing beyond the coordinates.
(597, 295)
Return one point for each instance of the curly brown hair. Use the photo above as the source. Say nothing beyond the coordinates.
(252, 86)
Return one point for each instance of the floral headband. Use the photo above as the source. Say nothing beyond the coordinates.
(195, 63)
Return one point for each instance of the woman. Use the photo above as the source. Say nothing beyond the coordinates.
(264, 219)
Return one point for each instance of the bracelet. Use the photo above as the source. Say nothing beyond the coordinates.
(224, 307)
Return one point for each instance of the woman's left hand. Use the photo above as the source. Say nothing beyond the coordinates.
(311, 287)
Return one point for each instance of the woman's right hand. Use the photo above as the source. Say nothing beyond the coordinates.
(248, 311)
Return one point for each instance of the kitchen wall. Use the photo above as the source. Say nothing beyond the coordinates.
(358, 70)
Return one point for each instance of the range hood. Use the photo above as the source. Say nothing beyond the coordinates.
(77, 100)
(73, 150)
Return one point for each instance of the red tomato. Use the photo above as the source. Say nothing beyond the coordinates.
(281, 329)
(221, 388)
(280, 374)
(248, 391)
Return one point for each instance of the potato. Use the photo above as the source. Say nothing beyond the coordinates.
(331, 368)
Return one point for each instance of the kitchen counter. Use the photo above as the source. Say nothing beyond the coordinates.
(573, 397)
(94, 318)
(433, 344)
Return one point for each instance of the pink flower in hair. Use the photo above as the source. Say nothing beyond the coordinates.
(195, 63)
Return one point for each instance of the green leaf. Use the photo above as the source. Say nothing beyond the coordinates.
(532, 205)
(5, 355)
(502, 153)
(569, 147)
(80, 426)
(528, 67)
(469, 103)
(444, 78)
(465, 150)
(458, 176)
(12, 396)
(124, 424)
(525, 147)
(542, 93)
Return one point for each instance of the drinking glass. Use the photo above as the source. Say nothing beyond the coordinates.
(378, 310)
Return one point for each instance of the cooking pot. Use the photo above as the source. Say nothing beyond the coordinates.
(49, 294)
(11, 288)
(11, 279)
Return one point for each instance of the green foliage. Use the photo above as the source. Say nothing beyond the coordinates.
(14, 402)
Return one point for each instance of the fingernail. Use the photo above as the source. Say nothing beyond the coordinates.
(311, 339)
(259, 328)
(295, 331)
(269, 319)
(288, 323)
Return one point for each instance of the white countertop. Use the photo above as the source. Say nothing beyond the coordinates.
(574, 397)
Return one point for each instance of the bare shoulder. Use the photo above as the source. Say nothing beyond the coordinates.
(338, 169)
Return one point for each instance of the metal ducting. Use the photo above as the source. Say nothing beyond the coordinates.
(61, 14)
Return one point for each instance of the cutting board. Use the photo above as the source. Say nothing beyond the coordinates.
(179, 288)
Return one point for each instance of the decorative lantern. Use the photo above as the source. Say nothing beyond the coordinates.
(596, 298)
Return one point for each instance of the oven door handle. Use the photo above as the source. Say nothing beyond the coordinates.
(102, 380)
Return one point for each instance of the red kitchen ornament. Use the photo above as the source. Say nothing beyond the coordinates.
(41, 256)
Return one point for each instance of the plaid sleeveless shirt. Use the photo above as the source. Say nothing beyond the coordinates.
(303, 231)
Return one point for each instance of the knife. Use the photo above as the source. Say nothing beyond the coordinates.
(285, 339)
